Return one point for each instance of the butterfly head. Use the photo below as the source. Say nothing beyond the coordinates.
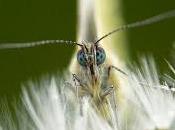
(91, 53)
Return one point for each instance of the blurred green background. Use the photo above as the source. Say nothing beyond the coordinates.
(31, 20)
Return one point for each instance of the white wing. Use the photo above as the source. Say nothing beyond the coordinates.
(86, 21)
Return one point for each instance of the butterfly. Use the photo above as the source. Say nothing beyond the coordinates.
(93, 79)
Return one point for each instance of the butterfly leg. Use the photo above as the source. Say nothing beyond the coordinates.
(114, 99)
(116, 68)
(80, 84)
(116, 95)
(107, 91)
(76, 80)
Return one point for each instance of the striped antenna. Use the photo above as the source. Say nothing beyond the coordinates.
(148, 21)
(33, 44)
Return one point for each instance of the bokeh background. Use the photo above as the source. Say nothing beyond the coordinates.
(31, 20)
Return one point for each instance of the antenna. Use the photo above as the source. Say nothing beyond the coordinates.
(148, 21)
(33, 44)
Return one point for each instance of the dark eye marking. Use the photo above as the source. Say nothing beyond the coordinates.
(81, 58)
(97, 53)
(100, 55)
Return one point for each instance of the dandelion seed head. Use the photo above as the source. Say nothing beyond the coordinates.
(54, 105)
(153, 98)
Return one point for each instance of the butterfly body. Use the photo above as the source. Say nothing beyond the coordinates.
(93, 78)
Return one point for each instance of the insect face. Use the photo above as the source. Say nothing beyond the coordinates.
(91, 55)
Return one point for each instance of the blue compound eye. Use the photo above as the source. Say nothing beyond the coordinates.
(81, 58)
(100, 55)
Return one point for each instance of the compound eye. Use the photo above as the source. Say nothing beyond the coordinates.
(100, 55)
(81, 58)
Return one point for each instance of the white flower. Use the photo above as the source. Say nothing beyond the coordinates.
(53, 105)
(154, 99)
